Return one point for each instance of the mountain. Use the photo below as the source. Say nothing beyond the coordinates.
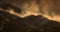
(12, 23)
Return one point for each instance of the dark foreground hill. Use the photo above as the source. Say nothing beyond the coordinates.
(12, 23)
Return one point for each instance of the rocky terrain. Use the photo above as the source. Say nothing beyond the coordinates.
(12, 23)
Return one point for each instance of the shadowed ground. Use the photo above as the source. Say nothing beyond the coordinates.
(12, 23)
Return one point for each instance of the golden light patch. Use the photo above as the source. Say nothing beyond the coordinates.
(32, 8)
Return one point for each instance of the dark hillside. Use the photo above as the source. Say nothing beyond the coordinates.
(12, 23)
